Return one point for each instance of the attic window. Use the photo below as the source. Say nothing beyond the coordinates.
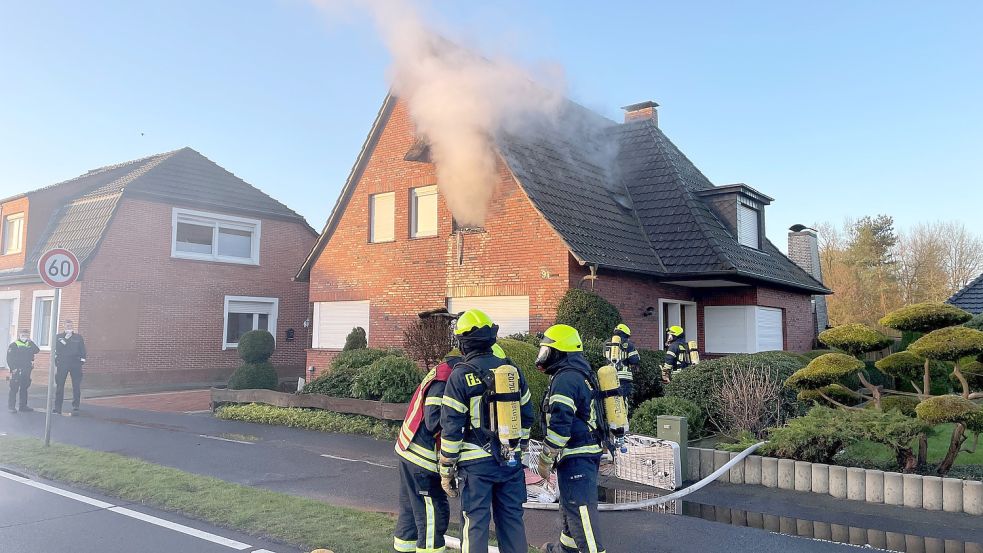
(748, 226)
(214, 237)
(419, 152)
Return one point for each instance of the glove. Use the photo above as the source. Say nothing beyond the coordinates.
(666, 374)
(547, 458)
(448, 476)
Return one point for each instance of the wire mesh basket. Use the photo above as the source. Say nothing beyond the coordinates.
(538, 490)
(649, 461)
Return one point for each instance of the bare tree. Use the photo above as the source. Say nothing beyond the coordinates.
(428, 340)
(922, 275)
(749, 400)
(962, 254)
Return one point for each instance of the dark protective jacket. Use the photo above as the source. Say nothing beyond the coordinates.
(421, 449)
(20, 355)
(464, 413)
(677, 355)
(570, 410)
(629, 356)
(69, 352)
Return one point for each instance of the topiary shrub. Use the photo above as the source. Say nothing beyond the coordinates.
(838, 392)
(592, 315)
(648, 376)
(817, 437)
(855, 339)
(256, 346)
(254, 376)
(925, 317)
(810, 355)
(943, 409)
(391, 379)
(645, 419)
(903, 365)
(902, 404)
(948, 344)
(975, 323)
(824, 370)
(356, 339)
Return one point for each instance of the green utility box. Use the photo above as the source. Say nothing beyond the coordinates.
(675, 429)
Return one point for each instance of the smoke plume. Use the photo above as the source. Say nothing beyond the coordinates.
(459, 102)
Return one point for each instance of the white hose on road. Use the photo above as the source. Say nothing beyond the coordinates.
(662, 499)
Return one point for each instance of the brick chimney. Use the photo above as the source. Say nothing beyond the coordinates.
(803, 250)
(641, 112)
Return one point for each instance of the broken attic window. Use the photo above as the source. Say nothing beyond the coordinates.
(419, 151)
(458, 227)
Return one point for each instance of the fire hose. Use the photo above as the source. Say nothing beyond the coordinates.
(662, 499)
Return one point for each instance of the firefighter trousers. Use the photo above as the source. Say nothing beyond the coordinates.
(577, 479)
(423, 511)
(627, 386)
(492, 491)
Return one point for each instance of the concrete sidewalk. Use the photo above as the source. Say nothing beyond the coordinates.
(355, 471)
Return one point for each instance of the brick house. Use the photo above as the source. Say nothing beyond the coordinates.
(179, 257)
(662, 243)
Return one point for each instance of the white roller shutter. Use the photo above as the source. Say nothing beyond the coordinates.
(729, 329)
(747, 226)
(333, 320)
(510, 313)
(238, 306)
(771, 335)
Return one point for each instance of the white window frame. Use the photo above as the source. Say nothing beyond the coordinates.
(271, 321)
(415, 195)
(215, 220)
(687, 312)
(749, 241)
(35, 332)
(19, 246)
(372, 217)
(316, 334)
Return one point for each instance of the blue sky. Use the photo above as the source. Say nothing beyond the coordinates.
(836, 109)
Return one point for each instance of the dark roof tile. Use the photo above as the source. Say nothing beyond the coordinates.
(970, 298)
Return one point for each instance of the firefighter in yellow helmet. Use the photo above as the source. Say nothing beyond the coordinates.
(677, 353)
(625, 359)
(469, 447)
(573, 443)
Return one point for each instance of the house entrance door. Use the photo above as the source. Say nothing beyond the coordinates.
(6, 327)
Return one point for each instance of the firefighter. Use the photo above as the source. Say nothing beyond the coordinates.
(471, 453)
(628, 360)
(423, 508)
(20, 361)
(573, 441)
(677, 353)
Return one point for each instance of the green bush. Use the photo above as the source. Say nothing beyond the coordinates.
(527, 337)
(925, 317)
(359, 358)
(336, 383)
(700, 383)
(594, 352)
(311, 419)
(355, 340)
(949, 344)
(256, 346)
(592, 315)
(976, 322)
(645, 419)
(874, 376)
(390, 379)
(254, 376)
(817, 437)
(648, 376)
(855, 339)
(943, 409)
(903, 365)
(810, 355)
(823, 371)
(903, 404)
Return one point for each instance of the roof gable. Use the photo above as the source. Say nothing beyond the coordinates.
(970, 298)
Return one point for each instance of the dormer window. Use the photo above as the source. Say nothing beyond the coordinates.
(748, 225)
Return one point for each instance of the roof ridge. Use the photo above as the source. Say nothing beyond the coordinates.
(972, 284)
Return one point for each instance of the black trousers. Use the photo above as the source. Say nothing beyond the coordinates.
(61, 375)
(423, 511)
(20, 381)
(577, 477)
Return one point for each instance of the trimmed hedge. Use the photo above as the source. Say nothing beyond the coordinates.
(594, 352)
(310, 419)
(356, 339)
(942, 409)
(925, 317)
(823, 371)
(254, 376)
(903, 404)
(592, 315)
(256, 346)
(855, 339)
(390, 379)
(949, 344)
(645, 419)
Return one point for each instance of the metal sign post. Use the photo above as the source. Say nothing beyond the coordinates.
(58, 268)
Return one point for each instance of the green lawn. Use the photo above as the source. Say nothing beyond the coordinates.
(938, 445)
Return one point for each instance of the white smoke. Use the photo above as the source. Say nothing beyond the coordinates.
(459, 102)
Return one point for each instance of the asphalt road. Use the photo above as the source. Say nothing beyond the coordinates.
(357, 471)
(34, 520)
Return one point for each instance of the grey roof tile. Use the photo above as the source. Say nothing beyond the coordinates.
(970, 298)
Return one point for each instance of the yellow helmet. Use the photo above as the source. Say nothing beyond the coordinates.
(498, 351)
(623, 328)
(562, 338)
(472, 319)
(676, 331)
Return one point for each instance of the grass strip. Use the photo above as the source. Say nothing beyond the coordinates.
(310, 419)
(294, 520)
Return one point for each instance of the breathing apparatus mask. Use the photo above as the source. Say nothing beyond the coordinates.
(548, 358)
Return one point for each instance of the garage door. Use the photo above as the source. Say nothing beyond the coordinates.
(770, 329)
(510, 313)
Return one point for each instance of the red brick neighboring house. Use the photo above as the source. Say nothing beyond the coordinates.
(661, 242)
(179, 257)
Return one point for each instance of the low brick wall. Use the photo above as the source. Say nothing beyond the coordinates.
(931, 493)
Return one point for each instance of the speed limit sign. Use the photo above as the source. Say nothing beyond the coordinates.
(58, 267)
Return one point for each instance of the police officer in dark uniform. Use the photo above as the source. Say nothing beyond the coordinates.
(573, 443)
(20, 362)
(491, 486)
(69, 357)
